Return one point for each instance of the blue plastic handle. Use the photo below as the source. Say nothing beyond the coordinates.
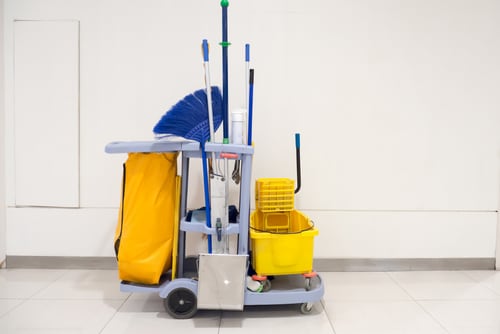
(297, 140)
(205, 50)
(247, 52)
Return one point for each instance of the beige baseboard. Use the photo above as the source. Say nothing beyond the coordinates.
(497, 265)
(404, 264)
(321, 265)
(60, 262)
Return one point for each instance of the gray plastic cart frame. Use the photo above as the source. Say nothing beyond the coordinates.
(287, 293)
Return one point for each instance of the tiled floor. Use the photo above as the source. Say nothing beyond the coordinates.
(89, 301)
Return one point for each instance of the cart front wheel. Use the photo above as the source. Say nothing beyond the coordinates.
(181, 303)
(306, 308)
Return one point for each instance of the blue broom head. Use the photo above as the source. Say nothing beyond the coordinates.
(188, 118)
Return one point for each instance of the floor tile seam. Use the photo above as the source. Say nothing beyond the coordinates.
(419, 305)
(372, 300)
(115, 313)
(330, 321)
(74, 299)
(462, 285)
(220, 321)
(24, 300)
(448, 330)
(472, 279)
(455, 300)
(398, 284)
(473, 282)
(480, 282)
(63, 272)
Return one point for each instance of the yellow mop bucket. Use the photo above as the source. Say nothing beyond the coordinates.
(279, 251)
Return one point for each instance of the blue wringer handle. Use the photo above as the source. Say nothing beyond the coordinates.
(297, 159)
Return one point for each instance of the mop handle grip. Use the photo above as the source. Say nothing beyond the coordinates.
(247, 52)
(226, 155)
(297, 140)
(205, 50)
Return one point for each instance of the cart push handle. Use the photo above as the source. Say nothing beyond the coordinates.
(297, 159)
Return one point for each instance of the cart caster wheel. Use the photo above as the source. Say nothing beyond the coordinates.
(308, 284)
(266, 285)
(181, 303)
(306, 308)
(309, 277)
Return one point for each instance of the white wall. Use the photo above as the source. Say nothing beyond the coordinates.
(396, 102)
(2, 144)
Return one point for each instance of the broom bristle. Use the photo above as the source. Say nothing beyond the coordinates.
(188, 118)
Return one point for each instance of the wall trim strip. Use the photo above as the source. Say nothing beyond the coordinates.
(320, 265)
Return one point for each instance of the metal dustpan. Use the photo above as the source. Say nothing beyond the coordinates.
(221, 281)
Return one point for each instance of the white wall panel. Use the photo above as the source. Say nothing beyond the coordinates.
(498, 242)
(61, 231)
(46, 114)
(90, 232)
(370, 234)
(397, 103)
(3, 237)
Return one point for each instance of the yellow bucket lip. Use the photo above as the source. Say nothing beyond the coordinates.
(266, 235)
(274, 179)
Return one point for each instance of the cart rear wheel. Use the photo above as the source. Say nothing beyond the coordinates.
(181, 303)
(306, 308)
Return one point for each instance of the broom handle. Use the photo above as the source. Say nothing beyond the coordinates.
(206, 191)
(250, 108)
(247, 71)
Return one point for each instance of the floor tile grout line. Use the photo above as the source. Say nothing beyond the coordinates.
(418, 304)
(115, 313)
(330, 321)
(24, 300)
(497, 293)
(76, 299)
(64, 272)
(220, 321)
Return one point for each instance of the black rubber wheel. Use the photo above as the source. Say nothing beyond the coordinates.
(181, 303)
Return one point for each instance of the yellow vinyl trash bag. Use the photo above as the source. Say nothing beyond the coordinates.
(146, 223)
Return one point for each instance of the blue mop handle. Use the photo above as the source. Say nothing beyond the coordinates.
(250, 107)
(225, 97)
(247, 73)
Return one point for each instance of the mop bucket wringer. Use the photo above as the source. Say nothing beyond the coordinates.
(282, 238)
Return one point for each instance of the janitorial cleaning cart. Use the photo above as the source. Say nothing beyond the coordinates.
(272, 262)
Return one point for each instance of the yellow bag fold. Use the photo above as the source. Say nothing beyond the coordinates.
(145, 231)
